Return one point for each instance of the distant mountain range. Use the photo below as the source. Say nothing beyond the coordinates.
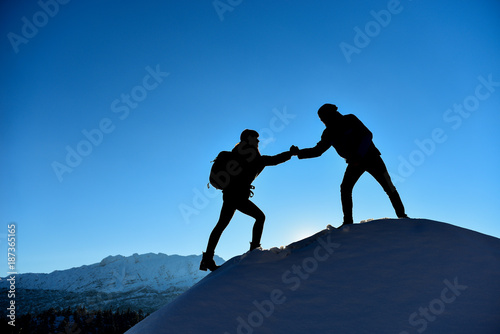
(145, 282)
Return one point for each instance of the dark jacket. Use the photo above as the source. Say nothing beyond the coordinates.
(350, 138)
(252, 163)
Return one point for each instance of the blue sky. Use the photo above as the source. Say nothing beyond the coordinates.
(112, 111)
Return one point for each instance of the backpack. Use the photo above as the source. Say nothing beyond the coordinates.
(225, 168)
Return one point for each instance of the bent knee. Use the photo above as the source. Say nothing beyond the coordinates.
(260, 217)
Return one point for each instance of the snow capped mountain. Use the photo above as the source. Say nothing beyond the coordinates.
(384, 276)
(121, 274)
(144, 282)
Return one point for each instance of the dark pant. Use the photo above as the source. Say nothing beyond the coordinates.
(231, 203)
(376, 167)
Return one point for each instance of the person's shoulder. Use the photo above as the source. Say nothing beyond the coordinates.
(326, 132)
(350, 117)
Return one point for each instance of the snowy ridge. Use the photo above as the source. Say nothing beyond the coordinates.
(121, 274)
(145, 282)
(383, 276)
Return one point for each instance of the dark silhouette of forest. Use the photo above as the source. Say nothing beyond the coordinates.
(74, 321)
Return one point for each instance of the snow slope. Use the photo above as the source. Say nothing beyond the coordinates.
(384, 276)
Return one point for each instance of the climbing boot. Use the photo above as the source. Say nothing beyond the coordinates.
(207, 262)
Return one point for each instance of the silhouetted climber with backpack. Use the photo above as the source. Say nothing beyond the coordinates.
(233, 172)
(352, 141)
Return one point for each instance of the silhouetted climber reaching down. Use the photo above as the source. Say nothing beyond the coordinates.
(352, 141)
(243, 165)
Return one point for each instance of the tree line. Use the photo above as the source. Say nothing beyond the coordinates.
(74, 321)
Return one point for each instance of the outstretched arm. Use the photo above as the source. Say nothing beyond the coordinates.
(273, 160)
(313, 152)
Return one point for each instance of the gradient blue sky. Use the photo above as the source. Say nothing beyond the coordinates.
(162, 86)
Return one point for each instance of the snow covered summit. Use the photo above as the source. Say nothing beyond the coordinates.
(385, 276)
